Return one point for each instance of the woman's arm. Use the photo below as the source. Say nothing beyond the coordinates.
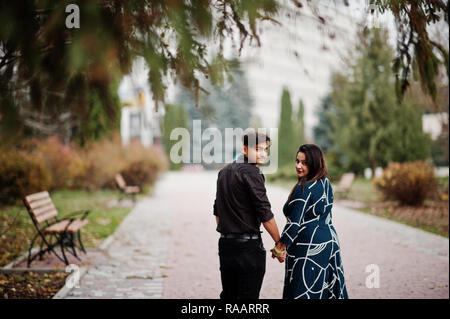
(300, 205)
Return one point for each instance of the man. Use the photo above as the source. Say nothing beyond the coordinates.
(240, 207)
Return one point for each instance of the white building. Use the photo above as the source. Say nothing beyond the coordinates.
(300, 55)
(433, 123)
(139, 119)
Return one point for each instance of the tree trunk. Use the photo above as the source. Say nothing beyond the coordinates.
(373, 168)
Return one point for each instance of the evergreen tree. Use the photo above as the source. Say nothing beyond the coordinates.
(287, 143)
(322, 132)
(300, 125)
(371, 127)
(48, 69)
(223, 107)
(175, 117)
(43, 63)
(97, 121)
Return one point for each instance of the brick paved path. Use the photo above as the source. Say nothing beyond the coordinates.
(167, 248)
(133, 264)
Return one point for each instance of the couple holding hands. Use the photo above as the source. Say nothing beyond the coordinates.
(308, 245)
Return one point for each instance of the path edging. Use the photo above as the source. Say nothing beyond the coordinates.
(65, 290)
(19, 259)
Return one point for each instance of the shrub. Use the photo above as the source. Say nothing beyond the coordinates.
(49, 164)
(138, 165)
(409, 183)
(143, 164)
(21, 174)
(65, 164)
(103, 160)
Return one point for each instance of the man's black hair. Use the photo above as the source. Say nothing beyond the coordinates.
(252, 138)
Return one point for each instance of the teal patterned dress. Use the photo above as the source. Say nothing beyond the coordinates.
(313, 264)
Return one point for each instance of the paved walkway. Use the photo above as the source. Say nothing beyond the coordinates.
(167, 248)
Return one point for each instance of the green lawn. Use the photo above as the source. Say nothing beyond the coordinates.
(17, 229)
(362, 190)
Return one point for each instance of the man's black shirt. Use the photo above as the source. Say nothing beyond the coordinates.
(241, 200)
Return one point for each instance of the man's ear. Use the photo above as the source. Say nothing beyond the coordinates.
(244, 150)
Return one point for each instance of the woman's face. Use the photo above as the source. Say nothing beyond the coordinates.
(300, 165)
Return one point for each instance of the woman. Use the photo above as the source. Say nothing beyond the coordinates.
(309, 240)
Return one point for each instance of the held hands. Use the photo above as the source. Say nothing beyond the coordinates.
(279, 251)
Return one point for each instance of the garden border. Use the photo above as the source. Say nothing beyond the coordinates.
(62, 293)
(65, 290)
(19, 259)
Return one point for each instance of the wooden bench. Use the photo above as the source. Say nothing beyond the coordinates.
(345, 183)
(53, 231)
(126, 189)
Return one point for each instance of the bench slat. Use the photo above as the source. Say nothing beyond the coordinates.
(120, 181)
(36, 196)
(61, 226)
(131, 189)
(40, 203)
(43, 217)
(42, 210)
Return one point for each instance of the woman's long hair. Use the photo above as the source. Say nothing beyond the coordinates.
(317, 166)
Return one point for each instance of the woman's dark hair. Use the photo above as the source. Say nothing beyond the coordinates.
(317, 166)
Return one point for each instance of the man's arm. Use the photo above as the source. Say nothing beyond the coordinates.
(272, 229)
(217, 220)
(258, 197)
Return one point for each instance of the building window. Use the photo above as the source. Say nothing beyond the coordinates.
(135, 125)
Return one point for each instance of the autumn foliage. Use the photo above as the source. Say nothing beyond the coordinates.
(410, 183)
(49, 164)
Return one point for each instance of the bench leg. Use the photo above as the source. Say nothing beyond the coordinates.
(49, 249)
(72, 246)
(62, 249)
(81, 243)
(29, 260)
(41, 251)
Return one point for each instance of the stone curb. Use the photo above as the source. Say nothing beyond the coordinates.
(65, 290)
(37, 270)
(107, 242)
(20, 259)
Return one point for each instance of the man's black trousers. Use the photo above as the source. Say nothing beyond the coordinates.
(242, 267)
